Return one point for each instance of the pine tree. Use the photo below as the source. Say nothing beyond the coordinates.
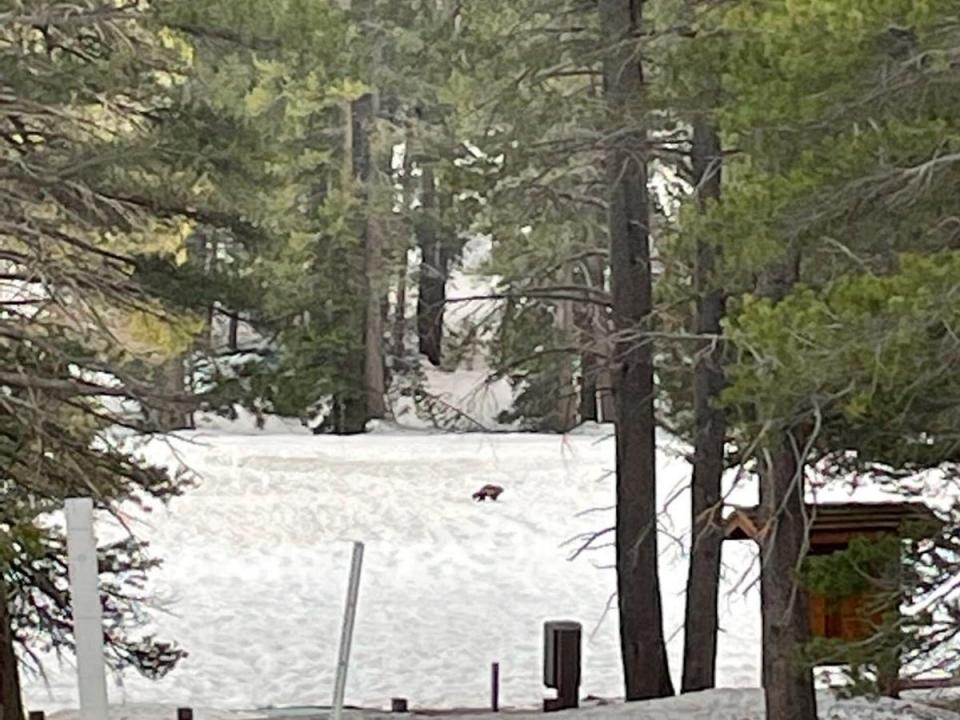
(92, 185)
(534, 117)
(801, 230)
(643, 647)
(701, 618)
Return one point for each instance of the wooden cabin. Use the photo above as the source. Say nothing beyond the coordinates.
(832, 528)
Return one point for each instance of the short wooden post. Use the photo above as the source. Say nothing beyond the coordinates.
(184, 713)
(495, 687)
(36, 715)
(398, 705)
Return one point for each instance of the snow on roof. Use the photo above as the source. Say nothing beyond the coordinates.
(744, 523)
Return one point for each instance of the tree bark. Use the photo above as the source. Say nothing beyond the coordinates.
(363, 115)
(171, 379)
(788, 684)
(602, 340)
(703, 579)
(374, 378)
(432, 285)
(349, 412)
(608, 408)
(588, 386)
(643, 648)
(594, 335)
(566, 409)
(11, 702)
(400, 310)
(233, 332)
(399, 329)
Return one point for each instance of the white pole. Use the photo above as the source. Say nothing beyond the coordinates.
(346, 634)
(87, 616)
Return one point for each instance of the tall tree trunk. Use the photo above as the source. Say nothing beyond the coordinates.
(588, 385)
(11, 702)
(703, 580)
(363, 116)
(590, 322)
(608, 408)
(197, 246)
(171, 381)
(211, 250)
(349, 413)
(399, 329)
(374, 380)
(788, 683)
(643, 648)
(599, 331)
(377, 307)
(432, 286)
(233, 332)
(566, 409)
(604, 346)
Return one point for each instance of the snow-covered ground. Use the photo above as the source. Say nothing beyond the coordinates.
(257, 557)
(724, 704)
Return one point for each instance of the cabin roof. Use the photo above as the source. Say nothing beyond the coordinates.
(745, 523)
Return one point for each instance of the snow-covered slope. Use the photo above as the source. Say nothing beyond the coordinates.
(257, 557)
(471, 389)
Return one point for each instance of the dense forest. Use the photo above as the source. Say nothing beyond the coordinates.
(736, 221)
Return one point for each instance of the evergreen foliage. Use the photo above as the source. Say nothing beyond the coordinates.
(221, 203)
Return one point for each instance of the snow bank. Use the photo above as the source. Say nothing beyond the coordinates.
(747, 704)
(710, 705)
(158, 712)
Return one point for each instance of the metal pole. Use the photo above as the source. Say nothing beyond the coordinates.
(346, 634)
(495, 687)
(87, 615)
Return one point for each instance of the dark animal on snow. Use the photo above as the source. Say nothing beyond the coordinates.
(488, 491)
